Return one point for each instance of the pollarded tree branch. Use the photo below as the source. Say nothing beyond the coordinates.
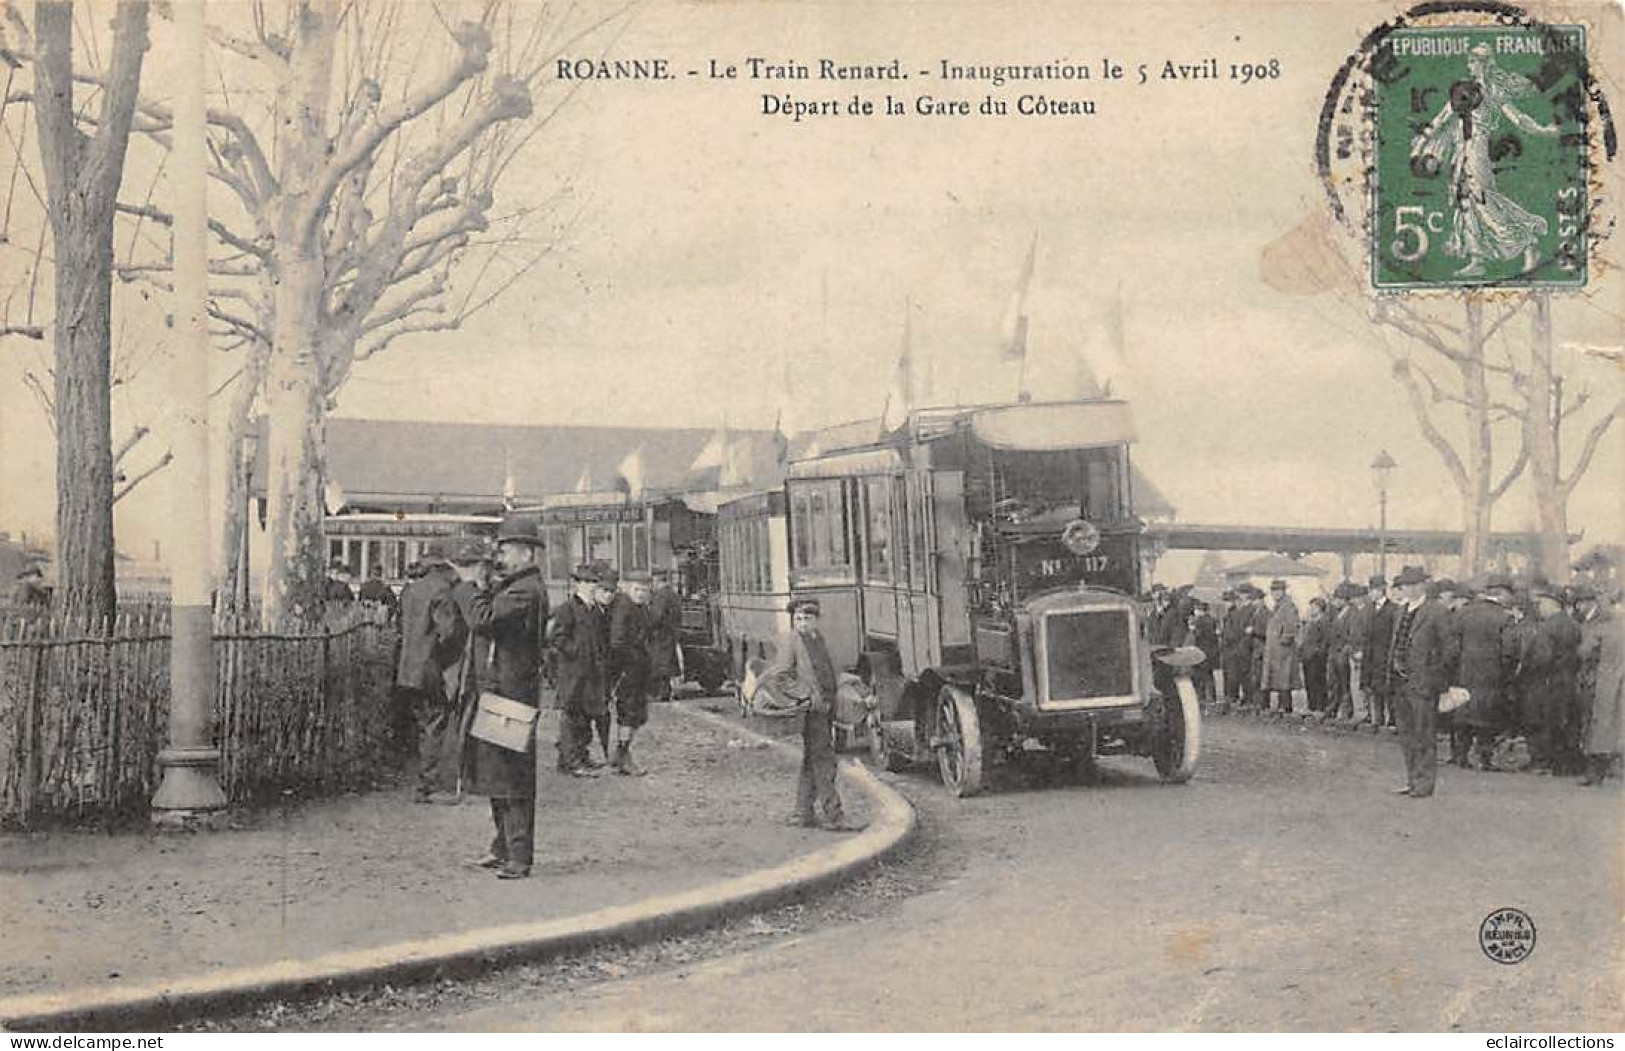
(129, 484)
(1588, 449)
(219, 229)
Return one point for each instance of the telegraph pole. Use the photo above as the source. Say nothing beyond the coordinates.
(190, 762)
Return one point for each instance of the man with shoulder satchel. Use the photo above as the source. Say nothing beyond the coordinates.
(507, 617)
(801, 670)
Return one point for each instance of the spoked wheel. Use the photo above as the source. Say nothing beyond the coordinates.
(876, 732)
(1179, 745)
(959, 743)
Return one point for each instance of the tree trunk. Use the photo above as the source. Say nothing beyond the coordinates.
(1540, 432)
(82, 177)
(296, 578)
(1475, 388)
(231, 572)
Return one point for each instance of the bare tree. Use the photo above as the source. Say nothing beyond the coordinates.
(83, 172)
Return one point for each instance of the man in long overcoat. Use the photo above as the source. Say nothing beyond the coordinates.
(575, 636)
(1488, 654)
(1352, 629)
(801, 670)
(1314, 653)
(1420, 662)
(629, 668)
(1549, 670)
(508, 619)
(433, 637)
(1205, 637)
(1281, 673)
(1602, 683)
(1374, 664)
(1336, 680)
(1233, 646)
(665, 626)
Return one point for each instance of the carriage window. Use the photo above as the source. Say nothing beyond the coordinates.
(1102, 486)
(877, 516)
(560, 554)
(802, 527)
(601, 543)
(917, 549)
(634, 546)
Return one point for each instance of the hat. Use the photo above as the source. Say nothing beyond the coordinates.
(806, 603)
(636, 576)
(1277, 584)
(1411, 575)
(584, 574)
(1497, 580)
(1250, 590)
(606, 575)
(468, 550)
(1377, 581)
(435, 550)
(519, 529)
(1544, 589)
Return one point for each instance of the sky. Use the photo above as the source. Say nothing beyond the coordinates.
(711, 242)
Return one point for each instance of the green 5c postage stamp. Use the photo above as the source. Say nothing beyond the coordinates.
(1481, 163)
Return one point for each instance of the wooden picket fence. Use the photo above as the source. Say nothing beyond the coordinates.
(83, 714)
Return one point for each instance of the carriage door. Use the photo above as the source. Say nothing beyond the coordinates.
(950, 557)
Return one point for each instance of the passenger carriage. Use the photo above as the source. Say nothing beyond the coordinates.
(978, 568)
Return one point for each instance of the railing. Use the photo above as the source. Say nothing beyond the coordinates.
(83, 714)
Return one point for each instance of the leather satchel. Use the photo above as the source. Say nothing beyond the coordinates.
(505, 723)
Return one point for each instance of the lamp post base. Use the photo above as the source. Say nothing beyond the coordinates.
(189, 789)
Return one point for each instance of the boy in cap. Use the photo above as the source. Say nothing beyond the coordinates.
(508, 616)
(574, 634)
(629, 667)
(801, 669)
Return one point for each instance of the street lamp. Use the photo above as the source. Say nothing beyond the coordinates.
(1382, 467)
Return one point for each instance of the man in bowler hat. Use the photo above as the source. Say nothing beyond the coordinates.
(583, 664)
(508, 617)
(433, 637)
(1420, 661)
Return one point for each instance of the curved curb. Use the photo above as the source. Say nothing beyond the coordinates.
(170, 1001)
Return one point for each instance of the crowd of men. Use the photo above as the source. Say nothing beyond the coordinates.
(1518, 674)
(476, 622)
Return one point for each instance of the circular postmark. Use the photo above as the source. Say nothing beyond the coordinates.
(1507, 935)
(1463, 142)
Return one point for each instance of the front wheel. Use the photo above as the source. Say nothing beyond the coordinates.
(1179, 744)
(959, 743)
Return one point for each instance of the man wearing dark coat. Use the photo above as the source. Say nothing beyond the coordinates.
(338, 587)
(1602, 682)
(1258, 626)
(1374, 678)
(1550, 670)
(629, 668)
(665, 627)
(1205, 637)
(433, 637)
(1488, 654)
(1420, 662)
(1337, 615)
(508, 619)
(575, 635)
(376, 591)
(1352, 629)
(1233, 655)
(801, 670)
(1314, 651)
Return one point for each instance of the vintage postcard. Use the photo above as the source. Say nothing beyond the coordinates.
(845, 515)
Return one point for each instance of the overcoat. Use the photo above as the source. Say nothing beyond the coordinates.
(433, 632)
(628, 641)
(1489, 652)
(1281, 668)
(1602, 678)
(1426, 667)
(1205, 637)
(1379, 636)
(665, 623)
(575, 634)
(506, 624)
(1317, 640)
(801, 670)
(1550, 666)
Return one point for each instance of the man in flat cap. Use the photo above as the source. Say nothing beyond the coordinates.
(1233, 645)
(508, 616)
(1420, 661)
(433, 635)
(801, 670)
(1602, 682)
(575, 636)
(629, 637)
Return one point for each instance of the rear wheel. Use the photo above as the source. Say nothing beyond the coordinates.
(959, 743)
(1179, 744)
